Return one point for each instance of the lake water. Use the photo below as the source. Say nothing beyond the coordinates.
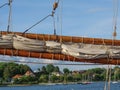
(92, 86)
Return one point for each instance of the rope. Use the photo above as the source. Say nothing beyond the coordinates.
(54, 25)
(55, 5)
(36, 23)
(115, 16)
(4, 51)
(115, 10)
(3, 5)
(61, 22)
(93, 41)
(29, 54)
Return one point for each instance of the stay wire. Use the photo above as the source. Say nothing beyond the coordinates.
(36, 23)
(4, 5)
(115, 16)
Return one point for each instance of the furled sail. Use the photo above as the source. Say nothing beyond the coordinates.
(53, 47)
(23, 43)
(6, 41)
(78, 50)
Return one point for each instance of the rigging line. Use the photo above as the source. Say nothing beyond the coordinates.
(4, 5)
(55, 5)
(10, 15)
(54, 25)
(115, 10)
(114, 37)
(115, 16)
(61, 21)
(36, 24)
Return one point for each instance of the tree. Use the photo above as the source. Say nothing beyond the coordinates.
(43, 78)
(44, 69)
(23, 68)
(7, 74)
(98, 77)
(49, 68)
(2, 67)
(70, 78)
(54, 78)
(77, 77)
(38, 69)
(66, 71)
(8, 70)
(56, 69)
(61, 78)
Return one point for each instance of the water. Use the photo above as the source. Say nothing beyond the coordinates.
(93, 86)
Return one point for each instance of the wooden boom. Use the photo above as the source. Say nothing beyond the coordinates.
(51, 56)
(23, 53)
(59, 38)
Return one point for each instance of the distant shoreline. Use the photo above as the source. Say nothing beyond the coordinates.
(10, 85)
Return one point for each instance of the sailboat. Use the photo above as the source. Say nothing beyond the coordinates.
(77, 47)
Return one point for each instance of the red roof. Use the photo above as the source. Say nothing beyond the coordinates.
(29, 73)
(17, 76)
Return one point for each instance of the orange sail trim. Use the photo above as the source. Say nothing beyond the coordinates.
(74, 39)
(51, 56)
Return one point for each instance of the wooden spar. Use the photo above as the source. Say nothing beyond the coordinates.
(62, 57)
(69, 38)
(51, 56)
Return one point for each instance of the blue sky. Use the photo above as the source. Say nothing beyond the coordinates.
(86, 18)
(89, 18)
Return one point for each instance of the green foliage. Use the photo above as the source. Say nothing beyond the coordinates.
(2, 67)
(54, 78)
(23, 69)
(25, 80)
(56, 69)
(43, 78)
(49, 68)
(70, 78)
(77, 77)
(8, 70)
(66, 70)
(61, 78)
(16, 81)
(44, 70)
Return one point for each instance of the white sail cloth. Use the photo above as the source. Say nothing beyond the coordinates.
(53, 47)
(6, 41)
(78, 50)
(91, 51)
(23, 43)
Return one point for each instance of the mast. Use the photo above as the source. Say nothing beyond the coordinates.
(10, 15)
